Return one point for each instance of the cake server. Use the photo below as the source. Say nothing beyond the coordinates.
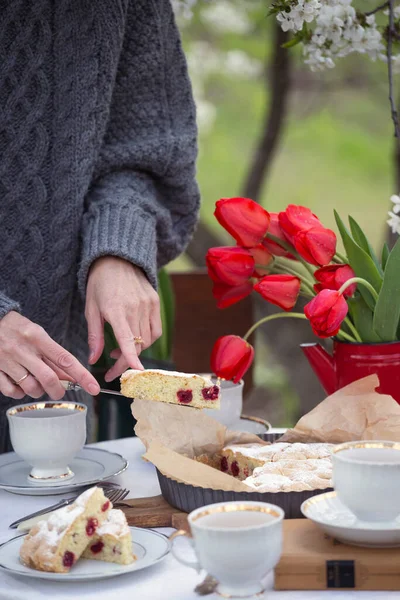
(70, 386)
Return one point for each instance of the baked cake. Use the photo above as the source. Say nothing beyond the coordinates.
(112, 541)
(240, 461)
(170, 387)
(57, 543)
(292, 475)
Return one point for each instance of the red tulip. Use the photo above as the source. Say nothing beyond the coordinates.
(297, 218)
(275, 230)
(232, 266)
(261, 256)
(227, 295)
(317, 245)
(333, 277)
(326, 312)
(231, 356)
(244, 219)
(282, 290)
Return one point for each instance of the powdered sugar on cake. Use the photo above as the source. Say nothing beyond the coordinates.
(115, 525)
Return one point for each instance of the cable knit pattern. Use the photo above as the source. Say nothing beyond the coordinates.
(97, 152)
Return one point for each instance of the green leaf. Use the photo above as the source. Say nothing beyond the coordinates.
(387, 311)
(161, 349)
(361, 239)
(361, 263)
(362, 316)
(385, 255)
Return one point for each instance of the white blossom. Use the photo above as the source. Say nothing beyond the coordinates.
(240, 64)
(396, 201)
(394, 222)
(224, 16)
(304, 11)
(337, 32)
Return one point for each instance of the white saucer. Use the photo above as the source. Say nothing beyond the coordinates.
(90, 466)
(327, 511)
(148, 546)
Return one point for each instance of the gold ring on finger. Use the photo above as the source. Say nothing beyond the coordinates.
(138, 339)
(22, 379)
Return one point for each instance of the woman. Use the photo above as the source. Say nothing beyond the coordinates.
(97, 185)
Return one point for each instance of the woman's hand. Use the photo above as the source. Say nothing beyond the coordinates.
(120, 294)
(32, 363)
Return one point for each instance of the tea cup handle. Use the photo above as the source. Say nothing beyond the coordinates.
(194, 564)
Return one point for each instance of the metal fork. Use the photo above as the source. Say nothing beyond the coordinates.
(116, 496)
(112, 493)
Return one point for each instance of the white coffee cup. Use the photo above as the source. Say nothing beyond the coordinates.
(238, 543)
(47, 435)
(366, 477)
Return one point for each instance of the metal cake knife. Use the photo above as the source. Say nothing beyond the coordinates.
(70, 386)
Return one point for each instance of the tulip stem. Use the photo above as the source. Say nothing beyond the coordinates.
(271, 318)
(353, 329)
(346, 336)
(363, 282)
(294, 316)
(290, 248)
(340, 258)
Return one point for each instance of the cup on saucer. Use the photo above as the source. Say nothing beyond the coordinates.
(47, 436)
(238, 543)
(366, 477)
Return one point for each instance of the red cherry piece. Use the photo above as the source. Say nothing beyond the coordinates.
(91, 526)
(105, 506)
(68, 559)
(235, 469)
(224, 464)
(246, 471)
(98, 547)
(210, 393)
(185, 396)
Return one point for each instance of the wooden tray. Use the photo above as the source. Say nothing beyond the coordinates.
(153, 511)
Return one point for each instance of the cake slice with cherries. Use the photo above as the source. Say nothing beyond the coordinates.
(112, 541)
(57, 543)
(171, 387)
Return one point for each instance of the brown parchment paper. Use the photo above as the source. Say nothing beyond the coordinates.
(173, 435)
(356, 412)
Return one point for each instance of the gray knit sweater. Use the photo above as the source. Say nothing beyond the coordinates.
(97, 152)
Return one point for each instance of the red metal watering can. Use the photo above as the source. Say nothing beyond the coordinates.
(351, 361)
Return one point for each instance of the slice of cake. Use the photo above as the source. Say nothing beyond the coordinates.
(170, 387)
(112, 541)
(240, 461)
(56, 544)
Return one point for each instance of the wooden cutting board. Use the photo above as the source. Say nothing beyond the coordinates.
(153, 512)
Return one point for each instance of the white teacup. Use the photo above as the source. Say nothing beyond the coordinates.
(231, 402)
(47, 435)
(238, 543)
(366, 477)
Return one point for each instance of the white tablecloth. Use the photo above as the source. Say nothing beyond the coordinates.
(166, 581)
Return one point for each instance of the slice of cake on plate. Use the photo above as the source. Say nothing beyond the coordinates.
(57, 543)
(112, 541)
(171, 387)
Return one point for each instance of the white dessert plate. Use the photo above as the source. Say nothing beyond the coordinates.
(149, 547)
(335, 519)
(90, 466)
